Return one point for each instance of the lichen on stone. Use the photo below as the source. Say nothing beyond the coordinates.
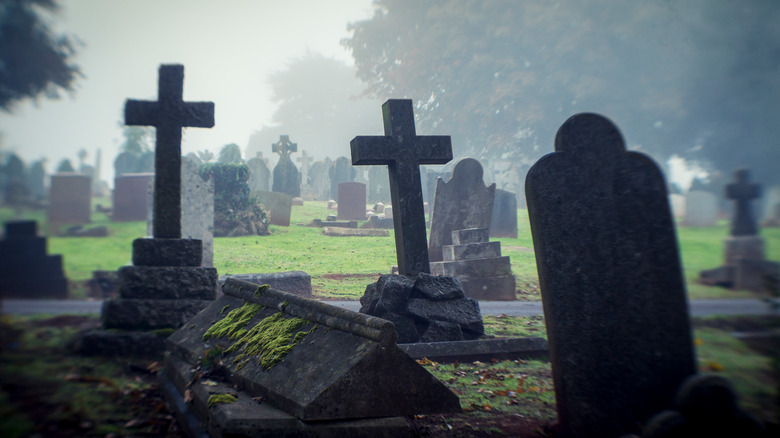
(221, 399)
(270, 340)
(260, 290)
(232, 326)
(224, 309)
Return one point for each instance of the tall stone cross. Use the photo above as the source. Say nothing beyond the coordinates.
(403, 151)
(169, 114)
(284, 147)
(305, 161)
(742, 192)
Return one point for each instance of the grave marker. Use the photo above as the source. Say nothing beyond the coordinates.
(403, 151)
(339, 172)
(287, 179)
(352, 201)
(611, 280)
(259, 174)
(701, 209)
(70, 196)
(503, 221)
(743, 192)
(278, 205)
(130, 197)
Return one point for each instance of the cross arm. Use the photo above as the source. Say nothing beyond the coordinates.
(141, 112)
(372, 150)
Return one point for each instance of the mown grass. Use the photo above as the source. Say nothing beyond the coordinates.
(341, 267)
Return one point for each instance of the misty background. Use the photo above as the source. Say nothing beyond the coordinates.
(694, 84)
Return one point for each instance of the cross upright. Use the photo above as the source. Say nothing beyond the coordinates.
(742, 192)
(403, 151)
(169, 114)
(284, 147)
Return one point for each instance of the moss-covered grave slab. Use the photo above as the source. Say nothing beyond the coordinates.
(311, 360)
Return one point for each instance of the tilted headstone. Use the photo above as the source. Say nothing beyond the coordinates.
(463, 202)
(287, 179)
(701, 209)
(278, 205)
(611, 280)
(503, 221)
(319, 174)
(26, 271)
(130, 197)
(259, 174)
(307, 360)
(341, 171)
(402, 151)
(352, 204)
(70, 196)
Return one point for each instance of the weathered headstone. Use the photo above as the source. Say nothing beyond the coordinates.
(70, 196)
(352, 204)
(431, 180)
(402, 150)
(478, 264)
(319, 175)
(503, 221)
(287, 179)
(278, 205)
(26, 271)
(259, 174)
(318, 368)
(294, 282)
(463, 202)
(341, 171)
(701, 209)
(611, 281)
(130, 197)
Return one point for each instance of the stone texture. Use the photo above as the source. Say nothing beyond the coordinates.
(129, 198)
(167, 282)
(149, 314)
(440, 331)
(495, 288)
(167, 252)
(611, 280)
(464, 312)
(294, 282)
(471, 251)
(503, 221)
(437, 288)
(403, 151)
(483, 350)
(463, 202)
(474, 267)
(70, 195)
(26, 271)
(352, 201)
(278, 205)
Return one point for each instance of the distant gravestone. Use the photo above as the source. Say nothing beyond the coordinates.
(352, 204)
(70, 197)
(503, 221)
(402, 150)
(130, 197)
(35, 180)
(341, 171)
(677, 203)
(259, 174)
(278, 205)
(611, 281)
(701, 209)
(378, 187)
(463, 202)
(26, 271)
(305, 161)
(287, 179)
(319, 176)
(743, 192)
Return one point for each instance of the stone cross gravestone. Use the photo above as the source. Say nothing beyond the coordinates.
(743, 192)
(462, 202)
(352, 201)
(402, 150)
(287, 179)
(611, 280)
(169, 114)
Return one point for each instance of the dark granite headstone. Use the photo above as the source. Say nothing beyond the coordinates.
(287, 179)
(463, 202)
(611, 280)
(352, 204)
(278, 205)
(402, 150)
(25, 270)
(130, 199)
(70, 196)
(503, 222)
(341, 171)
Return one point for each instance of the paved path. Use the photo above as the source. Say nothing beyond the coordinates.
(511, 308)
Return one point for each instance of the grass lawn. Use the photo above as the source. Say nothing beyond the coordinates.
(341, 267)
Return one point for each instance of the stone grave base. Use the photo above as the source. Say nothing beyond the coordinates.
(250, 418)
(338, 231)
(498, 288)
(330, 224)
(749, 247)
(294, 282)
(482, 350)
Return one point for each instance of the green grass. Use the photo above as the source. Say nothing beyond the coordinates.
(341, 267)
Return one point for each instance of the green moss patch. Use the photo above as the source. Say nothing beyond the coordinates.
(270, 340)
(234, 324)
(221, 399)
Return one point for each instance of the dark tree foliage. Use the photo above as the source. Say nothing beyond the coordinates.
(235, 213)
(33, 62)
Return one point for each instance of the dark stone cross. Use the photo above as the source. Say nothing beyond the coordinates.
(169, 114)
(403, 152)
(284, 147)
(742, 192)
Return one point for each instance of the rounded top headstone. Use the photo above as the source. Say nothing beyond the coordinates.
(589, 133)
(467, 169)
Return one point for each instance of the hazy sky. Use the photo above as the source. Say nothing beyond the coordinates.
(227, 48)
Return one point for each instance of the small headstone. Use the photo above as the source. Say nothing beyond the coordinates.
(70, 196)
(611, 281)
(259, 174)
(352, 201)
(463, 202)
(379, 207)
(341, 171)
(503, 221)
(701, 209)
(278, 205)
(773, 218)
(287, 179)
(319, 178)
(388, 211)
(130, 200)
(26, 271)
